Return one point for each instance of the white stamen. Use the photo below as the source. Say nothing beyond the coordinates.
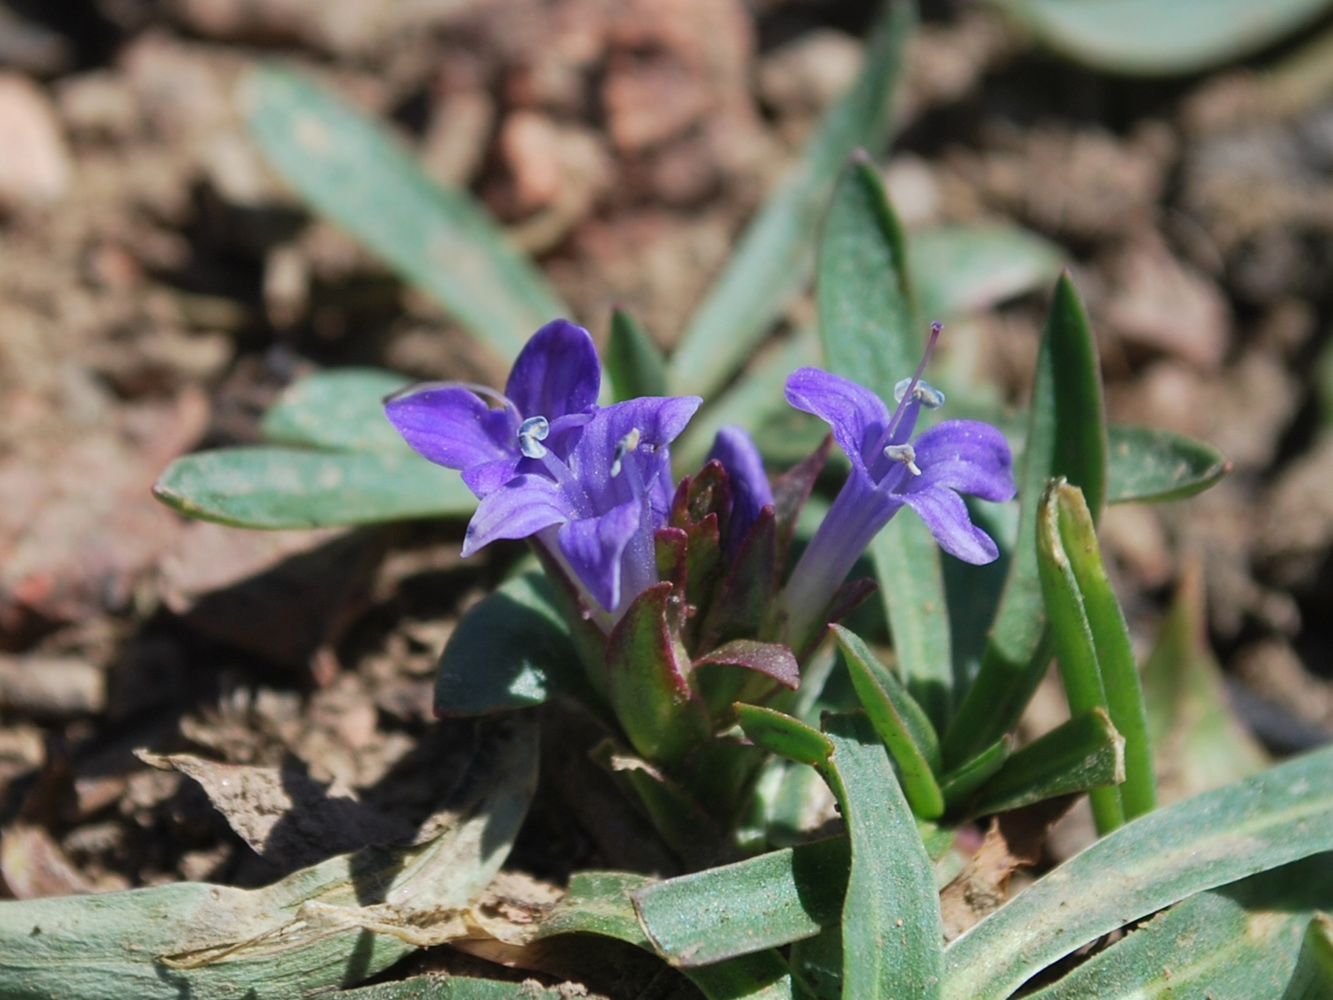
(925, 394)
(531, 433)
(626, 445)
(904, 453)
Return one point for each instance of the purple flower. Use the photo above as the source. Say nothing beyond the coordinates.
(592, 485)
(889, 471)
(750, 491)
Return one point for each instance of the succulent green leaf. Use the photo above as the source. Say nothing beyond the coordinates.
(959, 784)
(1152, 38)
(1066, 436)
(961, 269)
(891, 930)
(318, 929)
(1092, 644)
(599, 903)
(772, 262)
(341, 409)
(633, 361)
(1313, 978)
(1082, 754)
(511, 650)
(350, 169)
(1219, 837)
(781, 734)
(741, 908)
(1233, 943)
(277, 487)
(648, 674)
(1149, 465)
(899, 721)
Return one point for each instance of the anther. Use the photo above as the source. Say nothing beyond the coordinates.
(924, 393)
(531, 433)
(904, 453)
(626, 445)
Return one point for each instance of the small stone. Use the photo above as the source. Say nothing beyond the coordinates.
(34, 163)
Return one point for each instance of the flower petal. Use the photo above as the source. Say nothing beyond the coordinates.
(750, 491)
(946, 516)
(520, 508)
(658, 420)
(452, 426)
(556, 373)
(856, 415)
(965, 455)
(594, 547)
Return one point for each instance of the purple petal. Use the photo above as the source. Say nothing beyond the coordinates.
(946, 516)
(964, 455)
(452, 426)
(750, 490)
(856, 415)
(594, 546)
(658, 419)
(486, 478)
(556, 373)
(520, 508)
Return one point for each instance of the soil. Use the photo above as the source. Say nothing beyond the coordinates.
(158, 287)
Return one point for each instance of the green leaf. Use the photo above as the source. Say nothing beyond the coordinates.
(891, 930)
(958, 786)
(772, 262)
(350, 169)
(1168, 855)
(962, 269)
(1092, 644)
(633, 362)
(899, 721)
(275, 487)
(737, 909)
(1084, 753)
(333, 924)
(1150, 465)
(1198, 741)
(1153, 38)
(1234, 943)
(783, 735)
(341, 409)
(1313, 978)
(600, 903)
(816, 965)
(1066, 437)
(648, 673)
(511, 650)
(869, 327)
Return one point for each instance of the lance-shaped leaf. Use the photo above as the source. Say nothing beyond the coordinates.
(960, 783)
(1082, 754)
(511, 650)
(960, 269)
(745, 595)
(1150, 465)
(349, 169)
(899, 721)
(737, 909)
(1234, 943)
(769, 658)
(1066, 436)
(1092, 641)
(772, 262)
(871, 334)
(648, 678)
(599, 903)
(633, 362)
(341, 409)
(434, 987)
(330, 925)
(783, 735)
(274, 487)
(1168, 855)
(891, 929)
